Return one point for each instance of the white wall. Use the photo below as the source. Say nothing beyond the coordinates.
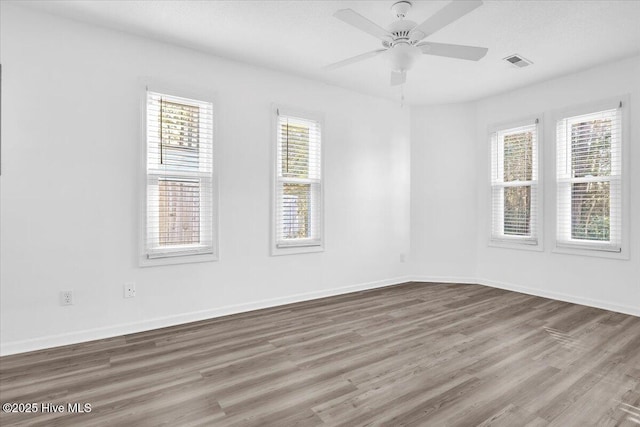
(69, 196)
(450, 195)
(443, 193)
(601, 282)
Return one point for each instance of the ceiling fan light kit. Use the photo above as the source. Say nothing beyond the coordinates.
(402, 41)
(402, 56)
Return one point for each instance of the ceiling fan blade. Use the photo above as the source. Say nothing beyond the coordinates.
(471, 53)
(352, 17)
(353, 59)
(398, 77)
(445, 16)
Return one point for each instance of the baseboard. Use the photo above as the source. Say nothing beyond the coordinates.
(626, 309)
(464, 280)
(51, 341)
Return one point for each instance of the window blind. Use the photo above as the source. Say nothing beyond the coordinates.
(589, 180)
(179, 153)
(514, 184)
(298, 204)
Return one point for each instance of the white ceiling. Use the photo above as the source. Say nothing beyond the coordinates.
(300, 37)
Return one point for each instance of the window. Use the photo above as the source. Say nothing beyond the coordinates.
(514, 184)
(298, 183)
(179, 220)
(589, 180)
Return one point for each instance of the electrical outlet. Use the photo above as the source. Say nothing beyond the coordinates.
(129, 290)
(403, 257)
(66, 298)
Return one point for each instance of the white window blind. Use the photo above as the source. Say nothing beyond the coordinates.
(589, 180)
(514, 184)
(298, 181)
(179, 171)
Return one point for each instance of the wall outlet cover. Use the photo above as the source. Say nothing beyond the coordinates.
(66, 297)
(129, 290)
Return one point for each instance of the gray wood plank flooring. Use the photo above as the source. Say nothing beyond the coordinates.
(413, 355)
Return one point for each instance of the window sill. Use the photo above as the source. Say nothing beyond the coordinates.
(514, 244)
(292, 250)
(597, 253)
(176, 259)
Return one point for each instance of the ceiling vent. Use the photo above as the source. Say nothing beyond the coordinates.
(518, 61)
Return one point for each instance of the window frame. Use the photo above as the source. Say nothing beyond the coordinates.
(516, 242)
(187, 256)
(306, 245)
(593, 248)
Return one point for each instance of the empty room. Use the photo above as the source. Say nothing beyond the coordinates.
(320, 213)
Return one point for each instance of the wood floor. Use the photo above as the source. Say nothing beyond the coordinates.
(413, 354)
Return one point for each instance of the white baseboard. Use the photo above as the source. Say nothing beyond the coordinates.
(626, 309)
(464, 280)
(51, 341)
(40, 343)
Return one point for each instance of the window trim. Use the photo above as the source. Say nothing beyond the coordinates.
(302, 246)
(173, 257)
(531, 244)
(591, 248)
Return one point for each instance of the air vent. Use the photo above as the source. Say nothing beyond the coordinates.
(518, 61)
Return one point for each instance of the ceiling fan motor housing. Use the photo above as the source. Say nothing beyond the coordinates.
(401, 31)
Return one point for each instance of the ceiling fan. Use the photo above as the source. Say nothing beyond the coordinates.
(402, 41)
